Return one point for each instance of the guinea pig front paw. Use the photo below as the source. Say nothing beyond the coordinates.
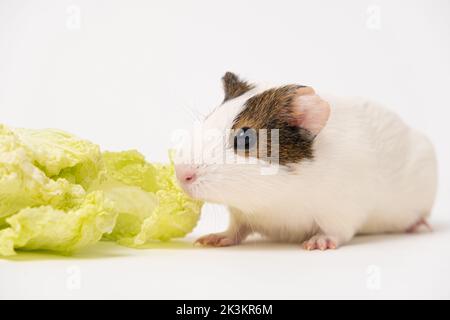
(218, 240)
(320, 242)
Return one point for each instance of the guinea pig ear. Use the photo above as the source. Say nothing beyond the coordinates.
(309, 111)
(233, 86)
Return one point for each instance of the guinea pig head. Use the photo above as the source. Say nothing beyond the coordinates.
(249, 141)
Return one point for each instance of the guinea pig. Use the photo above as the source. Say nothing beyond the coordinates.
(297, 166)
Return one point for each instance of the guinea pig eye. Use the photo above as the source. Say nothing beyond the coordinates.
(245, 139)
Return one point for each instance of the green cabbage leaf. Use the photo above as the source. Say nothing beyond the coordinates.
(61, 193)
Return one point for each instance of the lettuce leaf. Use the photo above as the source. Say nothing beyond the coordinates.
(130, 168)
(60, 193)
(176, 215)
(146, 216)
(23, 184)
(46, 228)
(62, 155)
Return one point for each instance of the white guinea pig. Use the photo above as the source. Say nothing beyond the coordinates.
(297, 166)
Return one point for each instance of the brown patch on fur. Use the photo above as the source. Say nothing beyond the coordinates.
(234, 87)
(272, 109)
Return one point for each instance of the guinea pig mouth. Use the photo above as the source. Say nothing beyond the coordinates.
(189, 189)
(194, 191)
(185, 188)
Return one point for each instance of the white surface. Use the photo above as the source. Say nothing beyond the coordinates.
(395, 266)
(127, 75)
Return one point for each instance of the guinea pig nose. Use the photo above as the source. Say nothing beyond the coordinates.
(186, 173)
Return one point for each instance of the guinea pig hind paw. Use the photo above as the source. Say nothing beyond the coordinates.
(217, 240)
(320, 242)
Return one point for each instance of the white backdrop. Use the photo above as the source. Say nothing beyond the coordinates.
(126, 73)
